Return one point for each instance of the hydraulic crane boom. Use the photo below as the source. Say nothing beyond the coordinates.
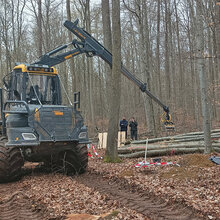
(92, 47)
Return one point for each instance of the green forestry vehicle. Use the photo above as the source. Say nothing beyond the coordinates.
(35, 125)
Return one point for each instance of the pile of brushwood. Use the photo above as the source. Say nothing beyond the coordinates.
(182, 143)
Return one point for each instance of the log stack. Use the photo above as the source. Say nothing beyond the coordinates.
(179, 144)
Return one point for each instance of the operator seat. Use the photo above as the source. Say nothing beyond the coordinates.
(33, 99)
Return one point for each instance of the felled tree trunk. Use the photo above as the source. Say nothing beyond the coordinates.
(184, 143)
(162, 152)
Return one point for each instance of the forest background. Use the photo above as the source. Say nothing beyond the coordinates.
(159, 46)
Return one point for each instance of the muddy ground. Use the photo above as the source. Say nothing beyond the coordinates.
(188, 191)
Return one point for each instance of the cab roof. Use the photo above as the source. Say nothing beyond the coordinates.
(35, 68)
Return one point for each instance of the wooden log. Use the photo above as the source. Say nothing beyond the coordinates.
(216, 149)
(162, 152)
(152, 140)
(191, 139)
(175, 138)
(157, 146)
(199, 132)
(137, 148)
(190, 142)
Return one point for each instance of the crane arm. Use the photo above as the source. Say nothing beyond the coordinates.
(96, 49)
(91, 47)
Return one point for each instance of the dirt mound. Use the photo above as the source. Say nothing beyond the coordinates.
(196, 160)
(189, 167)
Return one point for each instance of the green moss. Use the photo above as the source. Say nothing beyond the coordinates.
(108, 159)
(115, 213)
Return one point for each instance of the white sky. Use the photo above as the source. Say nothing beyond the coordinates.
(95, 2)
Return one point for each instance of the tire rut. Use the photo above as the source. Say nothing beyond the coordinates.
(19, 207)
(147, 204)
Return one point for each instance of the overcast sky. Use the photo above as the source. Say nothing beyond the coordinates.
(95, 2)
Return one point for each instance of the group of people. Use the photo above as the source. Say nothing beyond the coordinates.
(133, 127)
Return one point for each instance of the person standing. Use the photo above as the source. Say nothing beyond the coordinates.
(133, 125)
(124, 126)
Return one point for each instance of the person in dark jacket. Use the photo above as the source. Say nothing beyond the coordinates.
(124, 126)
(133, 125)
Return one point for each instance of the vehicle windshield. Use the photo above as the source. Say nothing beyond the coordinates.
(42, 89)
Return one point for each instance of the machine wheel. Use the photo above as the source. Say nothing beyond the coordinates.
(11, 162)
(74, 161)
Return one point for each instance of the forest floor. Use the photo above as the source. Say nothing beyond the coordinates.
(188, 191)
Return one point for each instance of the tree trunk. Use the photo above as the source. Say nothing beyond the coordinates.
(145, 66)
(202, 76)
(216, 42)
(192, 45)
(71, 62)
(90, 65)
(107, 44)
(181, 73)
(111, 150)
(1, 63)
(158, 60)
(158, 49)
(217, 12)
(39, 29)
(167, 53)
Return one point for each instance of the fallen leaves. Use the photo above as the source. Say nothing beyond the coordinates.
(195, 183)
(63, 195)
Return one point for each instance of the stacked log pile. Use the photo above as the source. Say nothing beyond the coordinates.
(183, 143)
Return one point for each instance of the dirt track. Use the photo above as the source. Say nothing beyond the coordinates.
(140, 201)
(18, 206)
(16, 200)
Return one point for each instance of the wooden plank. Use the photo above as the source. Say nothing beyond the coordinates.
(100, 137)
(121, 138)
(105, 134)
(102, 140)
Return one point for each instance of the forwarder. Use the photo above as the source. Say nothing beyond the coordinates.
(36, 126)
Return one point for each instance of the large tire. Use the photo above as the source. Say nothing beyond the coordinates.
(11, 162)
(74, 162)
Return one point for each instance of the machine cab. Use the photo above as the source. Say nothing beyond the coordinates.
(34, 107)
(35, 84)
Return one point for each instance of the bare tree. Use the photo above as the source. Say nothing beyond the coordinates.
(141, 15)
(39, 29)
(71, 62)
(203, 79)
(90, 65)
(217, 19)
(158, 47)
(106, 23)
(5, 25)
(111, 150)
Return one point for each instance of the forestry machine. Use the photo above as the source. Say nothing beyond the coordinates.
(36, 126)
